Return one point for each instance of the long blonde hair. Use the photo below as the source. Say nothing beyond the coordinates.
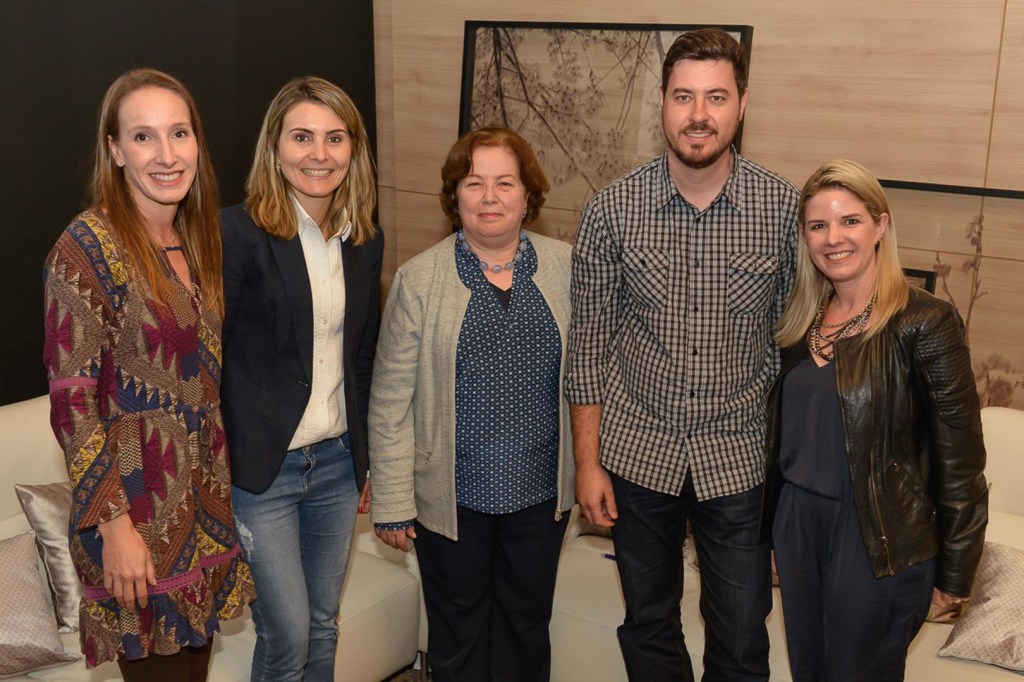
(811, 288)
(267, 196)
(197, 219)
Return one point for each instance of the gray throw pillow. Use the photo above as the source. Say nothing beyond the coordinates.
(48, 508)
(28, 631)
(991, 630)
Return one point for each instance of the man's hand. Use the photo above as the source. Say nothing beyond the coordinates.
(593, 484)
(127, 565)
(595, 496)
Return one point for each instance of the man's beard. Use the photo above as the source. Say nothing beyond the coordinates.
(701, 158)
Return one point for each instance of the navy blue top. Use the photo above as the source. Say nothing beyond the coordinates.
(812, 452)
(506, 393)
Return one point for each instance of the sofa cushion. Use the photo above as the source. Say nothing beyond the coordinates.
(48, 508)
(991, 629)
(28, 631)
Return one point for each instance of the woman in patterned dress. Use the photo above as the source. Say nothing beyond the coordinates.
(469, 432)
(134, 304)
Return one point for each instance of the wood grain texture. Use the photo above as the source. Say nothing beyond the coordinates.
(383, 53)
(1006, 165)
(921, 90)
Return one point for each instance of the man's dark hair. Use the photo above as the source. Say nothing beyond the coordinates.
(707, 45)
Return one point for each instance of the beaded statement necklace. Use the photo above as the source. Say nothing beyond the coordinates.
(497, 267)
(823, 343)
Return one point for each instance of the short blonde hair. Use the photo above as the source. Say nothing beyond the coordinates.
(267, 197)
(811, 288)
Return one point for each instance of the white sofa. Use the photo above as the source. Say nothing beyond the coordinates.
(588, 599)
(380, 606)
(382, 621)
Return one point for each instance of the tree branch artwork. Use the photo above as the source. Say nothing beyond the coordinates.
(997, 379)
(585, 96)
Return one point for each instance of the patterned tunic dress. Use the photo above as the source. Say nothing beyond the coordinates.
(134, 393)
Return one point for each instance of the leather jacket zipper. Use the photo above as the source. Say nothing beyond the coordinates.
(878, 515)
(871, 467)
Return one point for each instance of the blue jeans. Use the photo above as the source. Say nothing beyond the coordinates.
(296, 536)
(735, 575)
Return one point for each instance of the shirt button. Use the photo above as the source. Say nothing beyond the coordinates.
(695, 351)
(693, 394)
(321, 361)
(696, 309)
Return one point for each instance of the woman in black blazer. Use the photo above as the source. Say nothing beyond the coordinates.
(302, 265)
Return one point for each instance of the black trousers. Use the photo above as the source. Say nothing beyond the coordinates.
(488, 596)
(842, 623)
(191, 664)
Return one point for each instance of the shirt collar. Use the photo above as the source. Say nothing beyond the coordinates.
(732, 190)
(307, 223)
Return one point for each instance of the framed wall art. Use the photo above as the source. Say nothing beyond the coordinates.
(586, 96)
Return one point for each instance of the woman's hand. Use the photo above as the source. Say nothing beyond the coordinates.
(127, 565)
(399, 539)
(945, 607)
(365, 498)
(940, 598)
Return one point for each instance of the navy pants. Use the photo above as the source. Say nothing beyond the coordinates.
(735, 576)
(489, 595)
(842, 623)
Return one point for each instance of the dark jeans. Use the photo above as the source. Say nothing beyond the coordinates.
(842, 623)
(488, 595)
(735, 597)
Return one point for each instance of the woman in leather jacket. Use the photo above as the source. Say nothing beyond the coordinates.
(875, 494)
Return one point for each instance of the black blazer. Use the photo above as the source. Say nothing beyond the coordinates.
(268, 345)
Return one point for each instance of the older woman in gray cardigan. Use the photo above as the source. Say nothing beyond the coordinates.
(470, 445)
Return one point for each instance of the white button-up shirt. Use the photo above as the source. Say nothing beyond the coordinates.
(325, 413)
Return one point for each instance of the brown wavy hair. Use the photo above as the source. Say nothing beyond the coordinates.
(197, 219)
(267, 197)
(460, 162)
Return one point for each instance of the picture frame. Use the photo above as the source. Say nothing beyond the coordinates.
(923, 279)
(585, 95)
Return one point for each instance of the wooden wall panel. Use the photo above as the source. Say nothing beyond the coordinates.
(914, 90)
(384, 67)
(1006, 168)
(933, 220)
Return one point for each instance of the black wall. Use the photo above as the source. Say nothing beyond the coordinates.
(57, 58)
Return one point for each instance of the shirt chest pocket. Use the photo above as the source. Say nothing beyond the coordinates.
(751, 282)
(645, 272)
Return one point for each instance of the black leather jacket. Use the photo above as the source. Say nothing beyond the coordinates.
(913, 440)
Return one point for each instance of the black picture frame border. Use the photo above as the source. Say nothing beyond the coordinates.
(993, 192)
(928, 276)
